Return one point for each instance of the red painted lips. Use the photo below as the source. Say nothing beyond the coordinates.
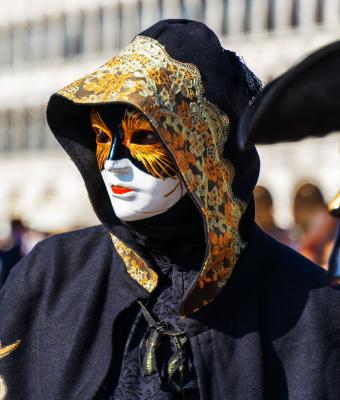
(120, 190)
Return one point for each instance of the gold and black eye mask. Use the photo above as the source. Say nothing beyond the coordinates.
(132, 137)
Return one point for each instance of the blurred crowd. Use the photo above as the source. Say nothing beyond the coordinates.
(314, 229)
(312, 234)
(16, 240)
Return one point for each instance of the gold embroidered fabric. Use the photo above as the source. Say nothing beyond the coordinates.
(6, 350)
(171, 94)
(3, 388)
(103, 138)
(136, 267)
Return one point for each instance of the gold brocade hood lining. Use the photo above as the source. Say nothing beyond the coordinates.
(171, 94)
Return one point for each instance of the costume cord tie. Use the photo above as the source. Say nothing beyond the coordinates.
(176, 366)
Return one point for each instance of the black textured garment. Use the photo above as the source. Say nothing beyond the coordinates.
(175, 249)
(272, 333)
(164, 306)
(8, 258)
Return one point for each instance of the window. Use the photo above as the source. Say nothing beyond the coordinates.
(295, 13)
(19, 44)
(161, 9)
(34, 128)
(16, 131)
(308, 203)
(120, 25)
(4, 130)
(37, 40)
(54, 37)
(109, 29)
(100, 29)
(48, 139)
(271, 15)
(27, 42)
(192, 9)
(249, 8)
(72, 31)
(93, 31)
(225, 17)
(320, 11)
(10, 45)
(5, 45)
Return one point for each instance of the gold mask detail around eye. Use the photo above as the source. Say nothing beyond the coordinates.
(103, 138)
(153, 156)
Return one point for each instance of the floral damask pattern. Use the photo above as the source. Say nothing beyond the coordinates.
(135, 265)
(171, 94)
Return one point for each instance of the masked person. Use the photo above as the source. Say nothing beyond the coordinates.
(178, 294)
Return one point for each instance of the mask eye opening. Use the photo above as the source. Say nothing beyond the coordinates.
(101, 136)
(145, 137)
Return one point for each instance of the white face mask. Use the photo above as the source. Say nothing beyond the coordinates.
(135, 194)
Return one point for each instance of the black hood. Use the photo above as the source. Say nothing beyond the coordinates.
(193, 92)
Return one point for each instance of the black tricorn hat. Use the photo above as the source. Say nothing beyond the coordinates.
(303, 102)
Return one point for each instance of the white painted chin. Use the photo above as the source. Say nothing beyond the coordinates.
(147, 196)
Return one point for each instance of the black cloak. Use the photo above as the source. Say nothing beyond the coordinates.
(263, 323)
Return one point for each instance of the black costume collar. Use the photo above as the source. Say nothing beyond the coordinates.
(174, 234)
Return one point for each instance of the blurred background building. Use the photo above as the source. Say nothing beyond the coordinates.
(45, 44)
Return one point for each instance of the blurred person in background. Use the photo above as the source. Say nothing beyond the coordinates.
(11, 248)
(178, 294)
(317, 242)
(265, 218)
(15, 244)
(316, 228)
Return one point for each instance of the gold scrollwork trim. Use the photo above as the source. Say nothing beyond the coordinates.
(136, 267)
